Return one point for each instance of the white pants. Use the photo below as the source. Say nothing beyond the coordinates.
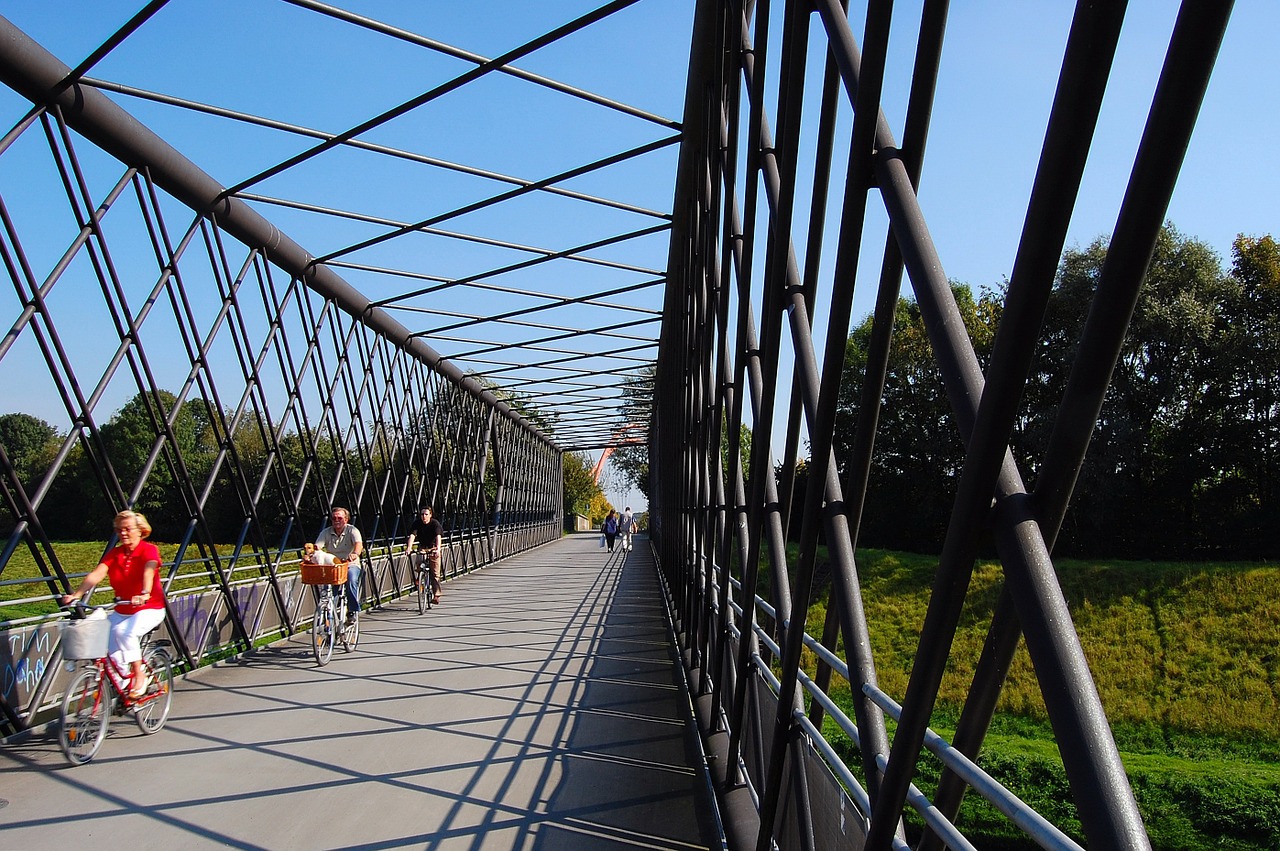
(127, 632)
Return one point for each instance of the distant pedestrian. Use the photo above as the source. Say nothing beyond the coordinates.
(626, 525)
(610, 528)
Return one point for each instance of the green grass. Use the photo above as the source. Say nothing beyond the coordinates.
(1185, 657)
(1191, 649)
(78, 558)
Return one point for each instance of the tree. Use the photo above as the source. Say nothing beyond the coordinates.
(579, 487)
(632, 460)
(599, 508)
(129, 437)
(1158, 447)
(1248, 476)
(30, 443)
(918, 450)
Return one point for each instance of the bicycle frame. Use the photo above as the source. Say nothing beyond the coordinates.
(91, 697)
(425, 584)
(121, 678)
(329, 624)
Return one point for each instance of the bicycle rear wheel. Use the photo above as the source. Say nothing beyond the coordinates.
(322, 630)
(152, 710)
(86, 711)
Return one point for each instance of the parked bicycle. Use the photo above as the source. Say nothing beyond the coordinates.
(330, 624)
(102, 687)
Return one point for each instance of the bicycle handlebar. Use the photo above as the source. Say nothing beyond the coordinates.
(79, 609)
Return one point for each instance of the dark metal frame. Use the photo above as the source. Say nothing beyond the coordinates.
(714, 361)
(383, 422)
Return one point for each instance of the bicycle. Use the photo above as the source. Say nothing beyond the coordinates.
(330, 625)
(92, 696)
(424, 578)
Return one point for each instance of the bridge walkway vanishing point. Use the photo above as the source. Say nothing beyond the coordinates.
(539, 706)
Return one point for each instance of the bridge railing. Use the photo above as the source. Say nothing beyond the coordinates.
(173, 352)
(200, 619)
(750, 281)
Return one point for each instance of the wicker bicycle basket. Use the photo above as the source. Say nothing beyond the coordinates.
(323, 574)
(85, 639)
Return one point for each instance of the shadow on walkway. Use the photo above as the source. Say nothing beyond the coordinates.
(539, 707)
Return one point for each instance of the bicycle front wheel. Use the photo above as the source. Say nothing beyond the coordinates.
(322, 629)
(351, 633)
(152, 710)
(424, 591)
(86, 710)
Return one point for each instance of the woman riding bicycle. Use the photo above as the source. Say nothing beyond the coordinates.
(133, 566)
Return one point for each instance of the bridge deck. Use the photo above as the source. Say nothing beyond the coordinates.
(538, 707)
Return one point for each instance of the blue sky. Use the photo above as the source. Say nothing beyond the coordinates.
(996, 85)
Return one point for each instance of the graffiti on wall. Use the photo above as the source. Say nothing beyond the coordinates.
(26, 655)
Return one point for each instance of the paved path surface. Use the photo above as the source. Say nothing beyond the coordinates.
(537, 708)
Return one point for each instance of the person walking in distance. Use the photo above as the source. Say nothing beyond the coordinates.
(625, 526)
(610, 528)
(344, 542)
(426, 532)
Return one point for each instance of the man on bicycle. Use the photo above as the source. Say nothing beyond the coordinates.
(344, 542)
(426, 531)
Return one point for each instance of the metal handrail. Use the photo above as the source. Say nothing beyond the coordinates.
(1035, 826)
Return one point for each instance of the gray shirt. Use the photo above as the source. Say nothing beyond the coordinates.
(339, 546)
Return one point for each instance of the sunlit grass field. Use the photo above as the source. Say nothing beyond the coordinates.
(1186, 658)
(78, 558)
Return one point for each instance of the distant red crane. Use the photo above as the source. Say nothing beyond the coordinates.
(608, 450)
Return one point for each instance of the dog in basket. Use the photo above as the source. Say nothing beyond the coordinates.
(312, 554)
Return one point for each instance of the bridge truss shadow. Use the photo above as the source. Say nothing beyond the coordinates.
(538, 707)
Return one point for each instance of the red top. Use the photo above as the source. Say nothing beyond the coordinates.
(125, 570)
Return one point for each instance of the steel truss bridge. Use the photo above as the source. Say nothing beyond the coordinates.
(235, 320)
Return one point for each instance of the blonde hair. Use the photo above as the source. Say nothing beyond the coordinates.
(136, 517)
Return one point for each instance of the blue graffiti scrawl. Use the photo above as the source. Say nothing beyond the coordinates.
(192, 613)
(248, 599)
(25, 654)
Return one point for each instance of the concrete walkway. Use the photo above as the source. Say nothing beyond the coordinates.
(538, 707)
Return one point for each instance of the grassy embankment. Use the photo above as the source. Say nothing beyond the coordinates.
(1187, 662)
(79, 558)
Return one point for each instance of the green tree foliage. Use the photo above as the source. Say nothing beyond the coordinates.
(1173, 466)
(30, 444)
(131, 434)
(918, 448)
(1249, 479)
(599, 509)
(637, 406)
(1183, 460)
(744, 452)
(580, 487)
